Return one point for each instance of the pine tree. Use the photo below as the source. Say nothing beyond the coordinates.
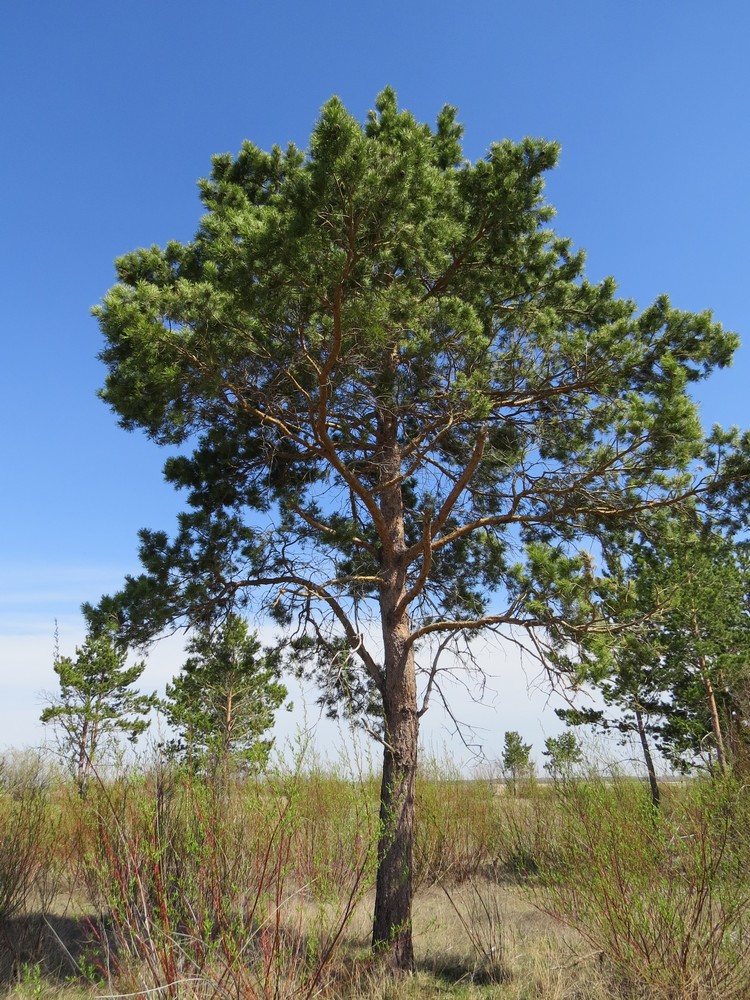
(96, 703)
(563, 752)
(401, 412)
(675, 679)
(705, 640)
(516, 760)
(223, 702)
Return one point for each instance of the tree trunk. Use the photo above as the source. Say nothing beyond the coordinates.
(714, 713)
(653, 783)
(83, 760)
(392, 929)
(708, 687)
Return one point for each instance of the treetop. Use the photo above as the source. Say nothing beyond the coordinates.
(378, 314)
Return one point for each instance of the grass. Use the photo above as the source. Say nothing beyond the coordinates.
(265, 890)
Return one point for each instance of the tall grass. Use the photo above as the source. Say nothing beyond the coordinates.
(262, 888)
(216, 892)
(663, 896)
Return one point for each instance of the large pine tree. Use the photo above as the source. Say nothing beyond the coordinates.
(402, 411)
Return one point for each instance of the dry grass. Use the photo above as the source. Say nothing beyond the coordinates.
(542, 958)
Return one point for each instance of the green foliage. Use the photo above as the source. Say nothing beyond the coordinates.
(381, 287)
(563, 753)
(224, 700)
(96, 702)
(679, 673)
(662, 895)
(516, 760)
(399, 413)
(705, 643)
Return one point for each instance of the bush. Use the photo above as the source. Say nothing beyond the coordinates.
(454, 825)
(210, 891)
(26, 834)
(664, 898)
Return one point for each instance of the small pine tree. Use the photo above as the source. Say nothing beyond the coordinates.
(96, 703)
(563, 753)
(224, 700)
(516, 761)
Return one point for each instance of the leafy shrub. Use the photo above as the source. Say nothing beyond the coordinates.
(26, 834)
(454, 826)
(664, 898)
(210, 890)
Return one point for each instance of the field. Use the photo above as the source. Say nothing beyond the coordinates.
(157, 885)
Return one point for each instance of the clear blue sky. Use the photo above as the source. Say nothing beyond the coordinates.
(112, 112)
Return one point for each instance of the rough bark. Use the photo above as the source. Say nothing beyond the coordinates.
(708, 687)
(392, 929)
(649, 760)
(713, 710)
(83, 761)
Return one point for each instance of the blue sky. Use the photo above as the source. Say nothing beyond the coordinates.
(112, 112)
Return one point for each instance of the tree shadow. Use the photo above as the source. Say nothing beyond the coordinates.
(58, 948)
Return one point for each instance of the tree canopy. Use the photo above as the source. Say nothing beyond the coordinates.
(704, 640)
(402, 415)
(515, 762)
(678, 676)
